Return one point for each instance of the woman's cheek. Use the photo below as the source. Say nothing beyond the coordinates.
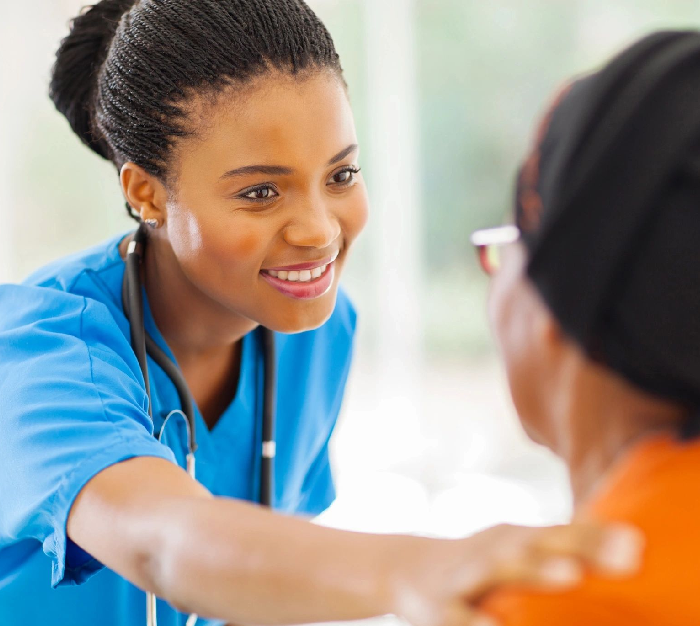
(186, 232)
(244, 246)
(193, 232)
(356, 218)
(236, 250)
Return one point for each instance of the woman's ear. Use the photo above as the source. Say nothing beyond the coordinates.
(144, 192)
(555, 344)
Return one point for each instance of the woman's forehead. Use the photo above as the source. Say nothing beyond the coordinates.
(276, 116)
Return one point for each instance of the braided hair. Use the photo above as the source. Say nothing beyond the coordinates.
(126, 70)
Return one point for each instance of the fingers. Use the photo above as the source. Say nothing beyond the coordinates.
(533, 570)
(553, 573)
(553, 558)
(613, 549)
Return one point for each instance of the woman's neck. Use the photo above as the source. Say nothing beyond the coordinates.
(192, 324)
(603, 416)
(202, 334)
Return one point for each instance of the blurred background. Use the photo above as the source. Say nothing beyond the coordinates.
(445, 94)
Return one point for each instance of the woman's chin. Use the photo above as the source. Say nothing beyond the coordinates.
(300, 316)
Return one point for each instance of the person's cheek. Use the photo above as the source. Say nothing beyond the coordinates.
(239, 246)
(512, 320)
(497, 311)
(355, 215)
(506, 326)
(186, 234)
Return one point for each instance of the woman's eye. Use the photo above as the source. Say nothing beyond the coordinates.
(345, 177)
(261, 193)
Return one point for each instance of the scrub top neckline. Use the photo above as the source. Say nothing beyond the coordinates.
(245, 358)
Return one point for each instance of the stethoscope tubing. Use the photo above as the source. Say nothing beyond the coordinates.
(144, 345)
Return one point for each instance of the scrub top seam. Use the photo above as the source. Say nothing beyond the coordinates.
(92, 376)
(54, 497)
(120, 441)
(84, 273)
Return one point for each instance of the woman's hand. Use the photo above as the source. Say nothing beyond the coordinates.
(439, 583)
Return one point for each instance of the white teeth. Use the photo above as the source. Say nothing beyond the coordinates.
(302, 276)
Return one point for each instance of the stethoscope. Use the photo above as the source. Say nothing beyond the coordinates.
(144, 346)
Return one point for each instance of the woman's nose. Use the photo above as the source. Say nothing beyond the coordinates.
(314, 227)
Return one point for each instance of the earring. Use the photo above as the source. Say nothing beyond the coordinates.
(152, 223)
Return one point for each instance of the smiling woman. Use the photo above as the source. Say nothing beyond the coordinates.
(229, 124)
(269, 181)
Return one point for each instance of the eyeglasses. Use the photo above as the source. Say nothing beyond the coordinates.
(488, 244)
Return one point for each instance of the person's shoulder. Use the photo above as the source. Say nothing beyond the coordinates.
(66, 272)
(654, 489)
(660, 469)
(75, 297)
(583, 606)
(41, 317)
(27, 305)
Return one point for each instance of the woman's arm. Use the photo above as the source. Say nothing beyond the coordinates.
(150, 522)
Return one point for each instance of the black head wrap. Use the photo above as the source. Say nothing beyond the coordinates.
(609, 207)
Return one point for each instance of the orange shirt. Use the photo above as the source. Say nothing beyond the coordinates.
(655, 487)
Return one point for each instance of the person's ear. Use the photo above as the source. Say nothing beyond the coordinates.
(550, 333)
(144, 193)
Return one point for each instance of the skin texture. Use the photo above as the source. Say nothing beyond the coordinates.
(581, 410)
(149, 521)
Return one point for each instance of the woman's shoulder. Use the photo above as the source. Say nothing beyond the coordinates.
(79, 295)
(653, 487)
(68, 273)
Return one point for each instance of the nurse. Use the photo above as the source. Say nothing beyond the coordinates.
(229, 124)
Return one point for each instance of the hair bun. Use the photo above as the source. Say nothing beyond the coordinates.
(78, 61)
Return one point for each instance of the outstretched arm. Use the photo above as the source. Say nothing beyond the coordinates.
(150, 522)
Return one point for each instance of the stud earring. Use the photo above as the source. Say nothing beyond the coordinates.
(152, 223)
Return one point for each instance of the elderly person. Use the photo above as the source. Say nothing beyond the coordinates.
(595, 303)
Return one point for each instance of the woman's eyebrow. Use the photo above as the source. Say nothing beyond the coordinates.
(279, 170)
(268, 170)
(343, 153)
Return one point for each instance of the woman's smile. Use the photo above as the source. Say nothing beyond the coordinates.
(303, 281)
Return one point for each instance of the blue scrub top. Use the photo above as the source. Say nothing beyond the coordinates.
(73, 402)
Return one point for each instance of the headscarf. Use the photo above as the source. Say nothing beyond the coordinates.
(609, 207)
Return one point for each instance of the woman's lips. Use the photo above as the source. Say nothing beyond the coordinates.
(296, 284)
(303, 266)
